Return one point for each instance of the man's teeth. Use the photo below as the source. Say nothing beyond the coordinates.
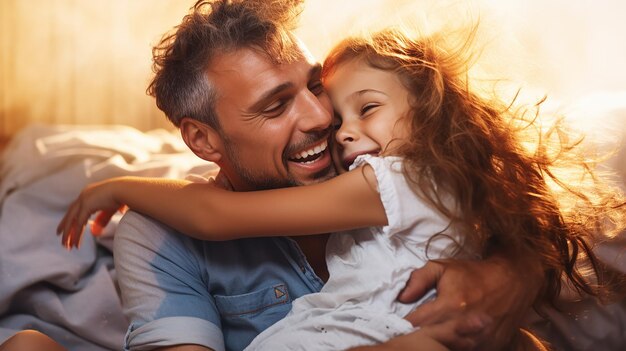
(310, 152)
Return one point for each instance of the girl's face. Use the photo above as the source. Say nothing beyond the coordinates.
(371, 109)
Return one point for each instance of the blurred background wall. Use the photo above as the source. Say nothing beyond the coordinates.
(88, 61)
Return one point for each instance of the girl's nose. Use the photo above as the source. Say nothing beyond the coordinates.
(346, 133)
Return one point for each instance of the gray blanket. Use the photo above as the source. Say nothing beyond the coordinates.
(70, 296)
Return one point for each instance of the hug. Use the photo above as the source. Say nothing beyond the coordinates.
(379, 200)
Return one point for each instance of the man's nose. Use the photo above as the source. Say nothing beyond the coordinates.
(316, 115)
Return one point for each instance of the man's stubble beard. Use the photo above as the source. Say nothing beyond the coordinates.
(261, 181)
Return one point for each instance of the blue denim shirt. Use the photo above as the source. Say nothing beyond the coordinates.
(179, 290)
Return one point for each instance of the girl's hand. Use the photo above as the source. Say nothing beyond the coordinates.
(95, 197)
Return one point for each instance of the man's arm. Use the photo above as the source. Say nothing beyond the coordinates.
(497, 291)
(163, 288)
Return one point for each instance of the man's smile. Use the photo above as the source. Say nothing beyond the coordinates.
(313, 159)
(311, 154)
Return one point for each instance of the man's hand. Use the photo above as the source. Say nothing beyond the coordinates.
(496, 291)
(438, 337)
(415, 341)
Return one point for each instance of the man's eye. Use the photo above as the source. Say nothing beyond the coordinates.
(275, 108)
(316, 88)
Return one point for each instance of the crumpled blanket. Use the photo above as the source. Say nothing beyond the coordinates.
(70, 296)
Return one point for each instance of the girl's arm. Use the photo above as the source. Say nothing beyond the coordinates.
(205, 212)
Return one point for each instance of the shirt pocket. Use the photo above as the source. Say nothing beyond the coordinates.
(254, 303)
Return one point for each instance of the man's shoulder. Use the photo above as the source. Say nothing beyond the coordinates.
(132, 219)
(135, 225)
(138, 234)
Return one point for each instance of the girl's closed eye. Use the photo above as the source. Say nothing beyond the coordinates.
(369, 108)
(316, 87)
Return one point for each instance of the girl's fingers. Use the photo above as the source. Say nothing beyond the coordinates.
(80, 238)
(73, 233)
(79, 227)
(69, 223)
(102, 219)
(77, 235)
(60, 226)
(73, 224)
(65, 239)
(63, 223)
(66, 222)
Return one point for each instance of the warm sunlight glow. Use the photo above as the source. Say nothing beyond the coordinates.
(89, 62)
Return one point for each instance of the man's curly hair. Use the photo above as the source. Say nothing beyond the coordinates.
(181, 85)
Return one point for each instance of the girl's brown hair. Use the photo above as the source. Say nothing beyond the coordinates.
(496, 161)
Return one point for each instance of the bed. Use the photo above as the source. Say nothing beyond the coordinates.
(89, 62)
(73, 297)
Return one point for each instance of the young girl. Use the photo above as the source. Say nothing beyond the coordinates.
(435, 171)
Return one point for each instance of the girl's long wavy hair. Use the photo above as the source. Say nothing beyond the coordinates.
(501, 167)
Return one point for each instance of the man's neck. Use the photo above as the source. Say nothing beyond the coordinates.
(314, 249)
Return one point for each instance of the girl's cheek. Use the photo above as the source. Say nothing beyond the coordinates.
(335, 153)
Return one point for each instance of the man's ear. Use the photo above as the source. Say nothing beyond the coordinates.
(202, 139)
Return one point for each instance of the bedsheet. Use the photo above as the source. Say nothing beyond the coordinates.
(70, 296)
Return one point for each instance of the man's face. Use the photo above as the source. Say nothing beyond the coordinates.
(271, 116)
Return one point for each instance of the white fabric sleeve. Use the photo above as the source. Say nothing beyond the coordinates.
(387, 189)
(408, 215)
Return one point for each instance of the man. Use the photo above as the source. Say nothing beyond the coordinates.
(246, 96)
